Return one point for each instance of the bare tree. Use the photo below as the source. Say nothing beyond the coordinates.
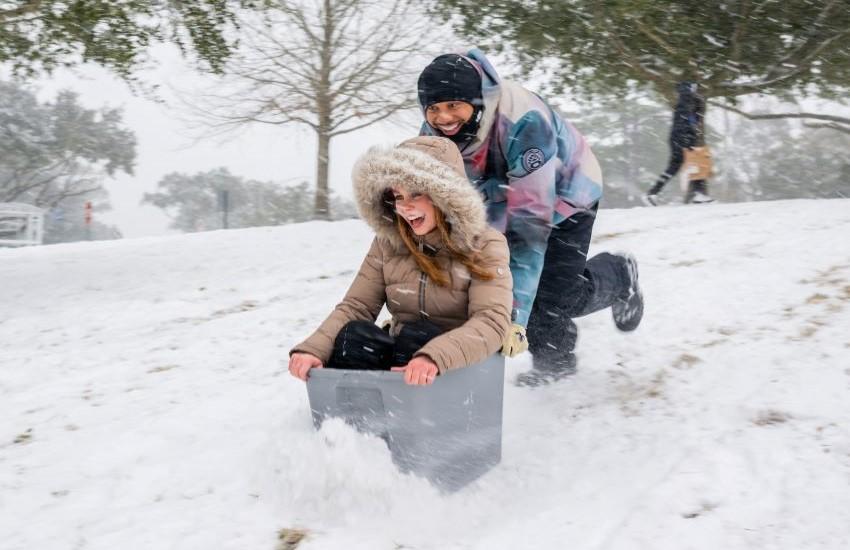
(335, 66)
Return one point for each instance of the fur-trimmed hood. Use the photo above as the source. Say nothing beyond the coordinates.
(426, 164)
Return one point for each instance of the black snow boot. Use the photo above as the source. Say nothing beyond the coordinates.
(627, 309)
(551, 340)
(548, 370)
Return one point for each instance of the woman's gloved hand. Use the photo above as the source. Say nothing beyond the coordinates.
(515, 341)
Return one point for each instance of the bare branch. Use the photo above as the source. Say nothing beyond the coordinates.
(629, 57)
(298, 16)
(829, 126)
(369, 122)
(646, 31)
(632, 61)
(379, 108)
(812, 36)
(774, 116)
(740, 31)
(800, 58)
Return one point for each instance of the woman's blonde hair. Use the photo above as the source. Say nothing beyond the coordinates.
(427, 264)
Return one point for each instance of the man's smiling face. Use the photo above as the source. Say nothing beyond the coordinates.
(449, 116)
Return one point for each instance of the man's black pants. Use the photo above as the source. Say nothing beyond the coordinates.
(571, 286)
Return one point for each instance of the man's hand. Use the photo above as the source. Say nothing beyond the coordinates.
(301, 363)
(420, 371)
(515, 341)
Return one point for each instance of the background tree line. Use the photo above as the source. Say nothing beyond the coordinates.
(193, 202)
(58, 154)
(337, 66)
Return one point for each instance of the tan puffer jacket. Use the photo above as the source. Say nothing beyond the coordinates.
(475, 313)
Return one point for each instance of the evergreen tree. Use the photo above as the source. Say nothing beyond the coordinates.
(731, 48)
(45, 34)
(56, 156)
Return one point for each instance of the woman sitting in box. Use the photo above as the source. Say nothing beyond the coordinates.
(439, 268)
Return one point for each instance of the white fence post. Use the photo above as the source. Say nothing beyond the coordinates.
(21, 224)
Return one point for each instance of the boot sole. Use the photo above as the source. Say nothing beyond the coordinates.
(634, 320)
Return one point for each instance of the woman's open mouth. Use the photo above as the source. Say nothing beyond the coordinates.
(416, 222)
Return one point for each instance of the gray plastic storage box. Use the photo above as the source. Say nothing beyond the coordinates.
(449, 432)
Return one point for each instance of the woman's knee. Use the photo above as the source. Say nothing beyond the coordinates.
(362, 345)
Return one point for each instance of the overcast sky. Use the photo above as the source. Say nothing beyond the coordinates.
(167, 140)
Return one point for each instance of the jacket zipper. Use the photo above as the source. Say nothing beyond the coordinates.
(423, 279)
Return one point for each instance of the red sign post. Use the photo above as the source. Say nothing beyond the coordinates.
(87, 219)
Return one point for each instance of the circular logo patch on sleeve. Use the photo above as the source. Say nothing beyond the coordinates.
(533, 159)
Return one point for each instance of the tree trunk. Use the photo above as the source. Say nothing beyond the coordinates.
(632, 176)
(322, 207)
(727, 150)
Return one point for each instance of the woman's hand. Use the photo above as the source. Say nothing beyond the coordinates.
(301, 363)
(420, 371)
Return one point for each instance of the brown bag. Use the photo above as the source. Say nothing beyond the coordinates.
(698, 165)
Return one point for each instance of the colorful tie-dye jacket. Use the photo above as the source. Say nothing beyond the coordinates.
(534, 170)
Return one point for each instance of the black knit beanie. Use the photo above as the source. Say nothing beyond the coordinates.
(450, 77)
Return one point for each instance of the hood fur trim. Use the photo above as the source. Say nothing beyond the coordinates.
(382, 168)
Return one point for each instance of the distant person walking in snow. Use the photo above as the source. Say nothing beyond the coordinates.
(542, 185)
(686, 135)
(441, 271)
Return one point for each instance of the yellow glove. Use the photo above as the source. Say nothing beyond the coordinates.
(515, 342)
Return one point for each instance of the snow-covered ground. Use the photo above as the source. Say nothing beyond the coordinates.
(145, 401)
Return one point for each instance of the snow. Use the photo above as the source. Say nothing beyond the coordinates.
(146, 403)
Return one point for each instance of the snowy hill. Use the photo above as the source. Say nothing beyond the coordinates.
(145, 402)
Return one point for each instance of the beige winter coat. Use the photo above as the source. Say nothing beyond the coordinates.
(475, 313)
